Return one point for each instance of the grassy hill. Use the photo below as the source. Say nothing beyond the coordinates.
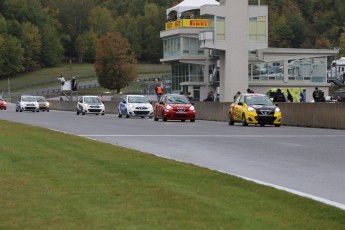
(83, 72)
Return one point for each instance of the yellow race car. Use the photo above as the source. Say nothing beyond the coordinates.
(254, 109)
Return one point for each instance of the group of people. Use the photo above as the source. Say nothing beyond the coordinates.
(318, 95)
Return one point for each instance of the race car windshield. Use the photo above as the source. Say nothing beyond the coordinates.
(137, 100)
(91, 100)
(258, 100)
(29, 99)
(177, 100)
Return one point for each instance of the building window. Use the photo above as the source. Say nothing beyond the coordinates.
(220, 28)
(303, 70)
(171, 47)
(191, 46)
(258, 28)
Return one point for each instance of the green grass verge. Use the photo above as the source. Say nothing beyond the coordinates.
(50, 180)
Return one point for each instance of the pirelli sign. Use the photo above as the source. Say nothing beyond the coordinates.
(192, 23)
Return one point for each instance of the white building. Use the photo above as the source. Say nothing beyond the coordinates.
(223, 46)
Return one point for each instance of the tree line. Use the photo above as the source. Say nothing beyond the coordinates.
(42, 33)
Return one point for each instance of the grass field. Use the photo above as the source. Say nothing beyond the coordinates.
(46, 75)
(51, 180)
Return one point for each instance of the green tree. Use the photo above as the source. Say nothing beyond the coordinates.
(86, 46)
(342, 45)
(100, 21)
(129, 28)
(52, 50)
(11, 55)
(31, 42)
(115, 63)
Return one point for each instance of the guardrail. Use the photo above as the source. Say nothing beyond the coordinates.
(316, 115)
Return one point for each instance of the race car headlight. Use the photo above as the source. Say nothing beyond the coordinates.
(191, 108)
(277, 110)
(169, 107)
(251, 109)
(131, 106)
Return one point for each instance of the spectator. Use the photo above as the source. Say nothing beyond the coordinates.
(190, 97)
(302, 96)
(317, 95)
(210, 96)
(339, 99)
(74, 86)
(62, 80)
(289, 96)
(237, 94)
(279, 97)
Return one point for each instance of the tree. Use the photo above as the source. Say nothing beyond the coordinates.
(11, 55)
(52, 50)
(86, 46)
(31, 42)
(115, 63)
(101, 21)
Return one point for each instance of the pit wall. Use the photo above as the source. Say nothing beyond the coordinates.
(316, 115)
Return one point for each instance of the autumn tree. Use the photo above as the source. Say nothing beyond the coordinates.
(115, 64)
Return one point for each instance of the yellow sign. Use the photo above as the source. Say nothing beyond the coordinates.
(192, 23)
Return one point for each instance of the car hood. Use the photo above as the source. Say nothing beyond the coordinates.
(185, 106)
(260, 108)
(140, 104)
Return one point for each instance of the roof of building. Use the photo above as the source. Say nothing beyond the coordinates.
(191, 5)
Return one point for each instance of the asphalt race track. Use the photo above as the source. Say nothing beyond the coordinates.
(305, 161)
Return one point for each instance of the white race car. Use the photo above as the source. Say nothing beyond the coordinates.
(135, 106)
(27, 103)
(90, 104)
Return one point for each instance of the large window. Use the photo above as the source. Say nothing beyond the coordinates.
(220, 28)
(172, 47)
(186, 73)
(302, 70)
(191, 46)
(258, 28)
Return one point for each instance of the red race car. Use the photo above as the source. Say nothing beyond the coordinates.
(3, 105)
(174, 107)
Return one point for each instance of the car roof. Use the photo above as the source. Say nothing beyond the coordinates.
(132, 95)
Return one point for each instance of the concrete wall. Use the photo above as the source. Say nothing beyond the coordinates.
(317, 115)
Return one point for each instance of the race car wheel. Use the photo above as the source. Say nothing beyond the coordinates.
(276, 125)
(262, 125)
(192, 120)
(154, 117)
(127, 116)
(164, 119)
(119, 114)
(244, 122)
(231, 121)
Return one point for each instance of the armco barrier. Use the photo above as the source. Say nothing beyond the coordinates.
(317, 115)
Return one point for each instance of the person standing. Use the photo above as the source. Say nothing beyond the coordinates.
(289, 96)
(279, 97)
(317, 95)
(210, 96)
(190, 97)
(302, 96)
(159, 92)
(237, 94)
